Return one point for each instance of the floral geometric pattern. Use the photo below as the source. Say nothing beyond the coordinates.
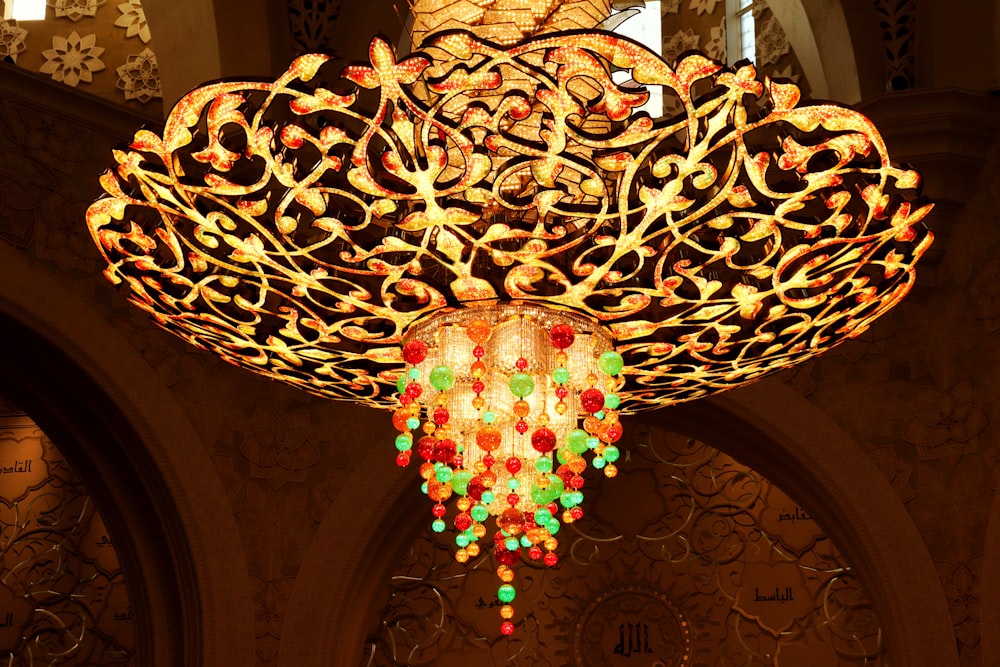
(771, 41)
(133, 19)
(715, 47)
(669, 6)
(73, 59)
(703, 6)
(74, 10)
(682, 40)
(11, 39)
(139, 77)
(945, 423)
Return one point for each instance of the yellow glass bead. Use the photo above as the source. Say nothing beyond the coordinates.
(591, 379)
(542, 482)
(505, 573)
(542, 419)
(479, 467)
(561, 358)
(551, 544)
(561, 407)
(463, 504)
(479, 530)
(610, 470)
(478, 402)
(506, 611)
(567, 517)
(473, 549)
(462, 556)
(428, 427)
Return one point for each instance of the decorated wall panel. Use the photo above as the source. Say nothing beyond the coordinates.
(63, 594)
(102, 48)
(689, 558)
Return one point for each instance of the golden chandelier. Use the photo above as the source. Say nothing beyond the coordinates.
(490, 241)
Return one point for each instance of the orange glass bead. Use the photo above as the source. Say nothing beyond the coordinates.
(462, 556)
(478, 369)
(478, 402)
(511, 521)
(505, 573)
(427, 470)
(521, 409)
(578, 465)
(399, 418)
(473, 548)
(478, 331)
(488, 438)
(506, 611)
(610, 470)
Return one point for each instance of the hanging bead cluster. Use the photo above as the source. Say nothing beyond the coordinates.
(492, 402)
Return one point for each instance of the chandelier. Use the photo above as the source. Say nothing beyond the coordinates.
(490, 242)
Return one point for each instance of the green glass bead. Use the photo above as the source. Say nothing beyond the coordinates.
(412, 423)
(506, 593)
(543, 464)
(401, 384)
(462, 540)
(593, 442)
(442, 378)
(567, 500)
(521, 384)
(545, 496)
(611, 363)
(479, 513)
(444, 474)
(513, 484)
(577, 441)
(560, 375)
(525, 542)
(404, 441)
(599, 414)
(578, 497)
(488, 497)
(511, 543)
(489, 417)
(543, 516)
(598, 462)
(438, 526)
(611, 454)
(423, 488)
(553, 526)
(414, 373)
(612, 401)
(460, 481)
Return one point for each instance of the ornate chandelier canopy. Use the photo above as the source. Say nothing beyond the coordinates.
(491, 242)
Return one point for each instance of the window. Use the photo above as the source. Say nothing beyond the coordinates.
(643, 26)
(741, 35)
(24, 10)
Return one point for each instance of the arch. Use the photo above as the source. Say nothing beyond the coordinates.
(817, 31)
(989, 585)
(767, 427)
(145, 465)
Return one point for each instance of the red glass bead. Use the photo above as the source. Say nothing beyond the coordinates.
(576, 482)
(444, 450)
(513, 499)
(441, 415)
(414, 389)
(513, 465)
(504, 556)
(534, 553)
(475, 488)
(488, 460)
(552, 508)
(614, 433)
(439, 510)
(576, 513)
(521, 426)
(561, 336)
(521, 363)
(405, 399)
(478, 386)
(543, 440)
(562, 392)
(478, 352)
(592, 400)
(462, 522)
(403, 459)
(551, 559)
(507, 628)
(425, 447)
(414, 352)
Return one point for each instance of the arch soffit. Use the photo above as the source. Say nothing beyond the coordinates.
(192, 508)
